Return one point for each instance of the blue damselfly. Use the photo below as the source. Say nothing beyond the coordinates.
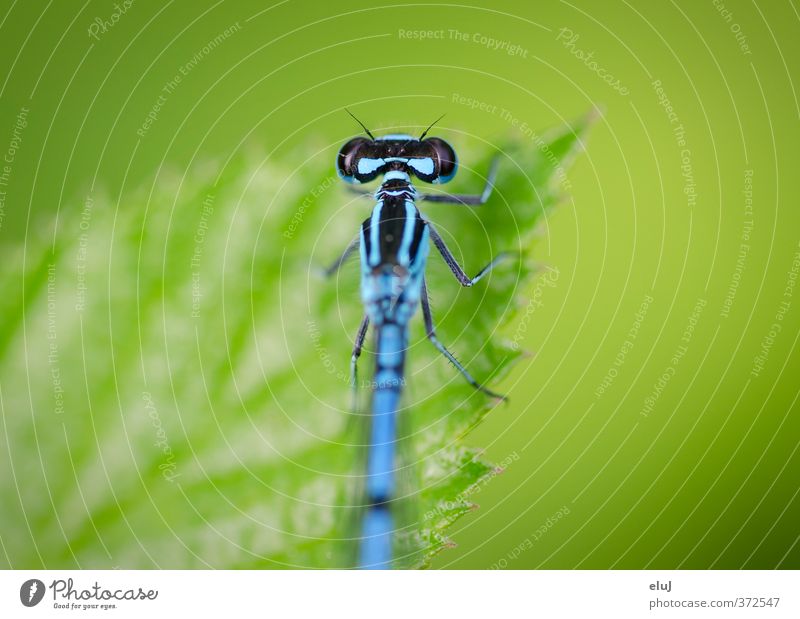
(394, 243)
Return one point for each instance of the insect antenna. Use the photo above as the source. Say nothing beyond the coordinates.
(363, 126)
(424, 133)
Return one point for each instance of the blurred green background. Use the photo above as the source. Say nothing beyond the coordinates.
(655, 422)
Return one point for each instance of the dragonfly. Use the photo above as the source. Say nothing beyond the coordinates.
(393, 244)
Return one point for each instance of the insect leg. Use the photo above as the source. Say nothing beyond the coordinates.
(359, 343)
(431, 332)
(461, 276)
(331, 270)
(469, 199)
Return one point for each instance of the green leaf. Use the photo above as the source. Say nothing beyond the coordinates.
(174, 372)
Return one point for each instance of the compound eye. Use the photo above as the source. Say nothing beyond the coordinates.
(444, 158)
(347, 159)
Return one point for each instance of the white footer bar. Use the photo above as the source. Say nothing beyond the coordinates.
(379, 595)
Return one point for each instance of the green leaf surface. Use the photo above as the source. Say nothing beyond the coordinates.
(174, 372)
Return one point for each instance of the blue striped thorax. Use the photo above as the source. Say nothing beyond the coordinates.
(394, 248)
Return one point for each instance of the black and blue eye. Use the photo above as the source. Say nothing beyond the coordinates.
(347, 161)
(444, 160)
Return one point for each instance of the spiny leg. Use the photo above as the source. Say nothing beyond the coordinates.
(461, 276)
(359, 343)
(431, 332)
(328, 272)
(469, 199)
